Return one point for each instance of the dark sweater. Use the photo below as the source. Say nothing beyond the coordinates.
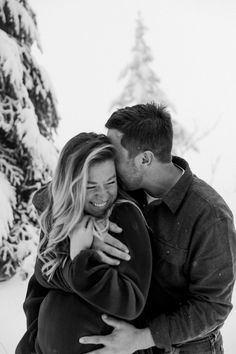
(85, 288)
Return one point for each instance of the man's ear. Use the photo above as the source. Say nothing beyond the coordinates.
(146, 158)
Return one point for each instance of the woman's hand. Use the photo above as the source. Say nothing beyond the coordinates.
(111, 250)
(81, 237)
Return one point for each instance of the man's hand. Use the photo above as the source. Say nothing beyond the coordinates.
(125, 338)
(110, 249)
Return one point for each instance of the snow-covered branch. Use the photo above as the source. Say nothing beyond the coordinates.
(28, 120)
(22, 19)
(10, 60)
(8, 200)
(43, 151)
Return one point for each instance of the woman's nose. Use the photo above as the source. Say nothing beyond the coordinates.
(102, 192)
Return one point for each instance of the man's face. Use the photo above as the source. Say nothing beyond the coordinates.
(127, 168)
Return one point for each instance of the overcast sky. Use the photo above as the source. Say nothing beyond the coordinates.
(87, 43)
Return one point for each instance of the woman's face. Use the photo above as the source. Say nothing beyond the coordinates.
(101, 188)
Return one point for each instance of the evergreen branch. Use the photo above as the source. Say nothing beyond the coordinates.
(12, 172)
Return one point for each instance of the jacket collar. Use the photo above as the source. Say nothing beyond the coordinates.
(176, 194)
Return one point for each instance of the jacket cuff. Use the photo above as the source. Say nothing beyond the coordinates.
(159, 328)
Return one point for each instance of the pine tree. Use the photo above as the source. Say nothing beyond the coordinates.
(143, 85)
(28, 120)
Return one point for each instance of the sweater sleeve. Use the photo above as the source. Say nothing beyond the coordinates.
(57, 282)
(120, 290)
(34, 297)
(117, 290)
(35, 291)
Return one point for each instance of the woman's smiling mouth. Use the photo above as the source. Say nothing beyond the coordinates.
(99, 205)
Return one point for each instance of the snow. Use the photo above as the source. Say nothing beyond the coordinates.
(23, 78)
(8, 199)
(13, 324)
(47, 83)
(10, 60)
(142, 84)
(43, 151)
(22, 19)
(27, 251)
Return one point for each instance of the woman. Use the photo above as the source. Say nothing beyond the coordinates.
(76, 207)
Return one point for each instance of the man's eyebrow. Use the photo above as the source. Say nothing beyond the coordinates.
(108, 180)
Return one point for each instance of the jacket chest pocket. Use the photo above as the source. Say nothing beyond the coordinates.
(169, 253)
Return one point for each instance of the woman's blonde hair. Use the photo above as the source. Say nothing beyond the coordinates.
(67, 193)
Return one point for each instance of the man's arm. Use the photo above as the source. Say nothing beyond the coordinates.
(211, 279)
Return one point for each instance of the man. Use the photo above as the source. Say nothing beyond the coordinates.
(193, 238)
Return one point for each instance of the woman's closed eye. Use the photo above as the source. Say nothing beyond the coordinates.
(112, 182)
(91, 187)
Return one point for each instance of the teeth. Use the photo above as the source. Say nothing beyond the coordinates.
(100, 205)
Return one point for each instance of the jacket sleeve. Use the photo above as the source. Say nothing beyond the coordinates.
(211, 272)
(121, 290)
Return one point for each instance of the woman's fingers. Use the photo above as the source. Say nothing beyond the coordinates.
(114, 227)
(115, 252)
(112, 241)
(84, 222)
(106, 259)
(89, 223)
(111, 250)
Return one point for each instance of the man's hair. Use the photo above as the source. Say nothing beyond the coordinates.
(144, 127)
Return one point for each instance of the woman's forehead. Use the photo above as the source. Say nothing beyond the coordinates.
(102, 170)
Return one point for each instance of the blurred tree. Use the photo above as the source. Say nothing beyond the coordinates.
(28, 120)
(143, 85)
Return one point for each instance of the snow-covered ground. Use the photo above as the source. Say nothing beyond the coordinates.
(12, 320)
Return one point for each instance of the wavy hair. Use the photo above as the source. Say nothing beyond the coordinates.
(67, 193)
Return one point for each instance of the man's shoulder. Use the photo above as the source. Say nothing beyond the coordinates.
(207, 199)
(200, 193)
